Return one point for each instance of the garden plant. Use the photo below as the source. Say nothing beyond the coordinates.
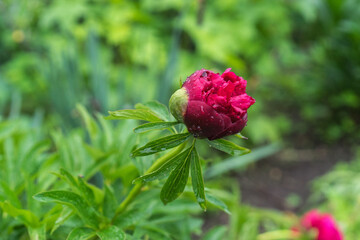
(123, 120)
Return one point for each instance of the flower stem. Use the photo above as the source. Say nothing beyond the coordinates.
(137, 188)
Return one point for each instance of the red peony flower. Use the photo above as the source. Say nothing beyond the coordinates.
(212, 105)
(324, 224)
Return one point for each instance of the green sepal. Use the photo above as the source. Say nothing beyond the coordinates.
(178, 104)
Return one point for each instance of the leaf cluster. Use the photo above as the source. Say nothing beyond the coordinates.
(177, 167)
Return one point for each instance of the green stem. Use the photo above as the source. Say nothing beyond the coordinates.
(137, 188)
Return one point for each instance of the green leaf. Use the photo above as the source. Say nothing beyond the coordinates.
(133, 216)
(239, 135)
(279, 234)
(161, 144)
(90, 123)
(139, 114)
(165, 169)
(78, 185)
(217, 203)
(65, 214)
(154, 126)
(101, 160)
(24, 216)
(250, 228)
(156, 107)
(10, 194)
(110, 203)
(111, 233)
(228, 147)
(86, 213)
(36, 230)
(38, 233)
(177, 180)
(216, 233)
(86, 192)
(197, 179)
(69, 179)
(81, 233)
(235, 163)
(151, 231)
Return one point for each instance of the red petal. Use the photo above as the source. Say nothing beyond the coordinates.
(203, 121)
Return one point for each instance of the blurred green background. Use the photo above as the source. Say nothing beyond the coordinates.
(301, 59)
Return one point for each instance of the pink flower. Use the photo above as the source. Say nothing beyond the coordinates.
(212, 105)
(324, 224)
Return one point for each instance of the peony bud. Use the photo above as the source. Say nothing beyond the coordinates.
(212, 105)
(324, 225)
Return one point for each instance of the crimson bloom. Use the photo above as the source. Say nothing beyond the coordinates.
(324, 224)
(212, 105)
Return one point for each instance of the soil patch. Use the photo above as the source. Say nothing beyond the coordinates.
(283, 181)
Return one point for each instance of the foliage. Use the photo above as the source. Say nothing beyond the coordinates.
(42, 202)
(85, 204)
(40, 199)
(301, 59)
(177, 164)
(338, 191)
(119, 52)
